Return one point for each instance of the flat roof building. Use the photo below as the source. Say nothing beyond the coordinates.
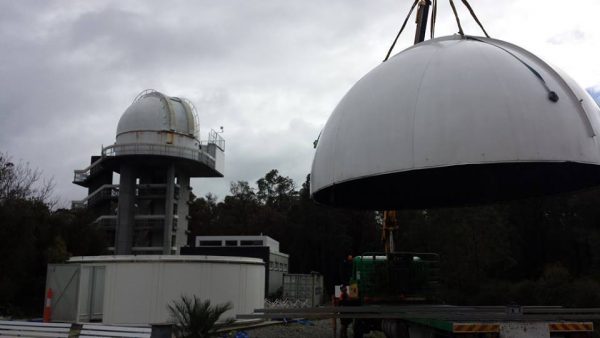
(264, 247)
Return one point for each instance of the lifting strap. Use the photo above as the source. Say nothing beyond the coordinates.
(433, 21)
(460, 30)
(433, 18)
(466, 3)
(401, 29)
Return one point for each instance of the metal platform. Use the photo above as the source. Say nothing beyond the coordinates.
(437, 312)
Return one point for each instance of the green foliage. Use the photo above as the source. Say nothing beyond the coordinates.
(32, 235)
(57, 252)
(316, 237)
(539, 251)
(194, 318)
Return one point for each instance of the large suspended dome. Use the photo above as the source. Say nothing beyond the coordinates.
(457, 120)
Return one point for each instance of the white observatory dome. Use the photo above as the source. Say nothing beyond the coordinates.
(154, 117)
(457, 120)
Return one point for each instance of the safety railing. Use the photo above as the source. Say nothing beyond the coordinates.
(106, 191)
(216, 139)
(82, 175)
(141, 221)
(152, 190)
(158, 149)
(107, 221)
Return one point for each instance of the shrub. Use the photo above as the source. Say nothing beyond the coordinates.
(194, 318)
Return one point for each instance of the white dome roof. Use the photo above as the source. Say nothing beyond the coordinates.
(155, 111)
(457, 120)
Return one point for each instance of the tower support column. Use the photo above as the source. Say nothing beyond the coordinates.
(169, 211)
(126, 210)
(183, 208)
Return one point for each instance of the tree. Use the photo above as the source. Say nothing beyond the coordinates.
(19, 181)
(275, 190)
(32, 235)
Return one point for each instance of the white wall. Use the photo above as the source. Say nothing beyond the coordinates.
(138, 292)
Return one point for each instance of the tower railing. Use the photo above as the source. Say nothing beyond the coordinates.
(83, 174)
(105, 191)
(215, 138)
(158, 149)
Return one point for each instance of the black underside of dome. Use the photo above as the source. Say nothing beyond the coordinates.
(459, 185)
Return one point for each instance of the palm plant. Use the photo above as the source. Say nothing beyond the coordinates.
(194, 318)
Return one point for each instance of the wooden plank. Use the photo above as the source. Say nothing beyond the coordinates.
(117, 328)
(114, 334)
(17, 333)
(24, 323)
(35, 328)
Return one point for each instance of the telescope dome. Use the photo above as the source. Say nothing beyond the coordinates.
(153, 111)
(457, 120)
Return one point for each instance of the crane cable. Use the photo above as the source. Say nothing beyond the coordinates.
(466, 3)
(460, 30)
(433, 21)
(433, 17)
(401, 29)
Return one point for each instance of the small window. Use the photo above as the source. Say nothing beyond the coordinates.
(210, 243)
(230, 243)
(251, 243)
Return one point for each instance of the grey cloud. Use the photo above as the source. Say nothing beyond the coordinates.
(571, 36)
(269, 71)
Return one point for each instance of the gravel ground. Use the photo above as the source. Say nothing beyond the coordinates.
(313, 329)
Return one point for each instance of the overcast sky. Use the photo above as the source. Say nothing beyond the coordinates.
(270, 72)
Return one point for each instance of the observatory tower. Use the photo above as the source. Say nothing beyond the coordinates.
(157, 151)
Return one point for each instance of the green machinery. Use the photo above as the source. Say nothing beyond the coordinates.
(398, 277)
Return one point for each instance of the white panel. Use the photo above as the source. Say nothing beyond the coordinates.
(140, 292)
(63, 279)
(83, 309)
(524, 330)
(132, 290)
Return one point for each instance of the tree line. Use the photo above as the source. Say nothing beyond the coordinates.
(316, 237)
(539, 251)
(33, 234)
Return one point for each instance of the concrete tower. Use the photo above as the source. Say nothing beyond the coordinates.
(157, 151)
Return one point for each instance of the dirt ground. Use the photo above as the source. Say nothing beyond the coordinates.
(310, 328)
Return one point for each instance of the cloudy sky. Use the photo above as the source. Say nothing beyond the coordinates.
(269, 71)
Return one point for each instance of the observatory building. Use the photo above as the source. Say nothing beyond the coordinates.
(457, 120)
(156, 152)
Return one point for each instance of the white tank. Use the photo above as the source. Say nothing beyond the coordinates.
(137, 289)
(457, 120)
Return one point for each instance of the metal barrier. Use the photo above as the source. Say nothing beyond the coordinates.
(216, 139)
(158, 149)
(84, 174)
(286, 303)
(105, 191)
